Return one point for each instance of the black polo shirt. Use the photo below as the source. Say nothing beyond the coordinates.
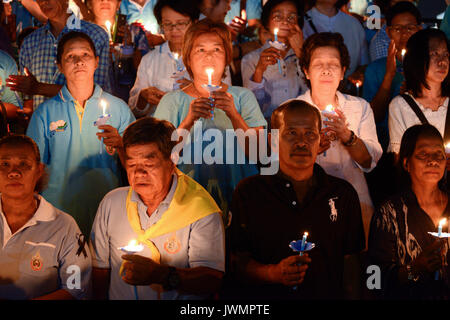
(266, 217)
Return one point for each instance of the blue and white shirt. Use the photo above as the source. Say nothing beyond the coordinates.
(7, 67)
(137, 13)
(38, 54)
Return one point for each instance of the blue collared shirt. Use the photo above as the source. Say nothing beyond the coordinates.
(275, 88)
(7, 67)
(379, 44)
(201, 244)
(38, 54)
(252, 8)
(79, 175)
(136, 13)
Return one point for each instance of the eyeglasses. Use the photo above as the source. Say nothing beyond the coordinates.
(178, 25)
(291, 19)
(410, 28)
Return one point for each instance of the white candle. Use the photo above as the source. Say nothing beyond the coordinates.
(108, 27)
(441, 223)
(209, 72)
(305, 235)
(357, 88)
(243, 14)
(103, 104)
(403, 53)
(275, 33)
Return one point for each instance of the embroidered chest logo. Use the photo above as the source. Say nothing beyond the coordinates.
(172, 245)
(57, 126)
(334, 213)
(36, 262)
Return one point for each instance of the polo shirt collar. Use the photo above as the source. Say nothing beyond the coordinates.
(65, 95)
(319, 176)
(167, 200)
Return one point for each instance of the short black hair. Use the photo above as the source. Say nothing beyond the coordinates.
(408, 145)
(268, 7)
(402, 7)
(417, 61)
(70, 36)
(323, 39)
(22, 140)
(151, 130)
(294, 105)
(186, 8)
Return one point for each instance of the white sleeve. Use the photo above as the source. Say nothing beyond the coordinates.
(396, 124)
(367, 132)
(248, 66)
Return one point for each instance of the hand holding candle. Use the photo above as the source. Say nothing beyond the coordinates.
(102, 120)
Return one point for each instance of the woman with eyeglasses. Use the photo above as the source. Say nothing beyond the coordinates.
(414, 264)
(275, 75)
(425, 67)
(162, 69)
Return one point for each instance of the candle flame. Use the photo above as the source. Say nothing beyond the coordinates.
(305, 234)
(442, 222)
(329, 108)
(403, 52)
(104, 104)
(243, 15)
(275, 31)
(108, 25)
(447, 145)
(151, 27)
(209, 71)
(358, 84)
(132, 243)
(176, 55)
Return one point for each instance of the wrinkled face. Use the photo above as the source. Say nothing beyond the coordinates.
(427, 164)
(217, 12)
(325, 70)
(208, 51)
(403, 26)
(283, 16)
(78, 62)
(439, 61)
(19, 171)
(105, 9)
(53, 8)
(299, 139)
(174, 25)
(148, 171)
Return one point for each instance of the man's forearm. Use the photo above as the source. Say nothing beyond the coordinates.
(252, 271)
(199, 280)
(100, 283)
(48, 89)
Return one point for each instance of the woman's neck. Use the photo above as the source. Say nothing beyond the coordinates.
(175, 47)
(324, 98)
(18, 211)
(327, 9)
(435, 91)
(81, 91)
(430, 197)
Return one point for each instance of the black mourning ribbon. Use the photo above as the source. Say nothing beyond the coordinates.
(81, 245)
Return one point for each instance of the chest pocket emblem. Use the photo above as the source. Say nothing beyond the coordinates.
(58, 126)
(334, 213)
(36, 262)
(172, 245)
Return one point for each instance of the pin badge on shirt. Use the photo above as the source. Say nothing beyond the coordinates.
(36, 262)
(334, 213)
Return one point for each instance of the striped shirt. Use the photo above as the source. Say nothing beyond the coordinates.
(38, 54)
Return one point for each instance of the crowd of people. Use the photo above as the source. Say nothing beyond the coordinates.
(133, 135)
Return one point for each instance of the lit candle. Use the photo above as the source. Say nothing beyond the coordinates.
(209, 72)
(441, 223)
(303, 247)
(133, 247)
(403, 53)
(275, 33)
(103, 104)
(357, 88)
(108, 27)
(243, 14)
(151, 27)
(447, 148)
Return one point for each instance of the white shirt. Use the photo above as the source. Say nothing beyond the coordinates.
(275, 87)
(337, 160)
(401, 117)
(200, 244)
(350, 29)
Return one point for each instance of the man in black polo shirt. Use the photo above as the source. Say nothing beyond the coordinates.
(270, 211)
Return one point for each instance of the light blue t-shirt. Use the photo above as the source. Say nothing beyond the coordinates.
(79, 175)
(221, 176)
(7, 67)
(373, 78)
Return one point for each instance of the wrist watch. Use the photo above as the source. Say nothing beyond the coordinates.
(352, 139)
(172, 280)
(411, 275)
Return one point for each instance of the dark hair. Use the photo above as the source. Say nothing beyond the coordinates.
(294, 105)
(150, 130)
(25, 32)
(403, 7)
(268, 7)
(206, 26)
(22, 140)
(417, 61)
(70, 36)
(323, 39)
(181, 6)
(408, 145)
